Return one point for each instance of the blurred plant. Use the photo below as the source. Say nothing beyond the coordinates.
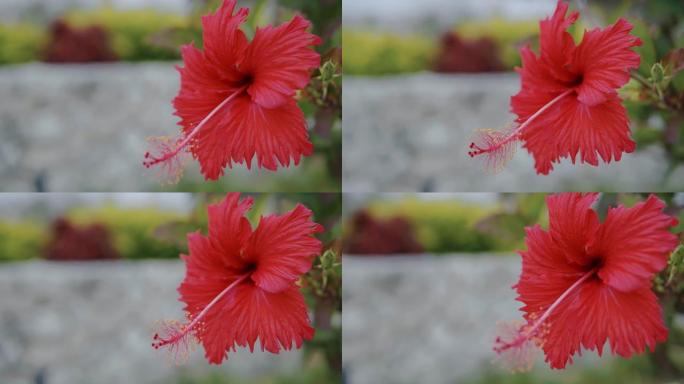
(21, 240)
(72, 243)
(509, 36)
(326, 16)
(322, 98)
(315, 373)
(323, 289)
(370, 236)
(460, 55)
(668, 358)
(374, 53)
(494, 43)
(517, 211)
(69, 44)
(136, 35)
(637, 370)
(327, 208)
(442, 226)
(20, 43)
(656, 106)
(136, 233)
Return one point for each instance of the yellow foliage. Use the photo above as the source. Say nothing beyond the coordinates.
(373, 53)
(440, 225)
(509, 35)
(20, 240)
(133, 229)
(132, 31)
(20, 42)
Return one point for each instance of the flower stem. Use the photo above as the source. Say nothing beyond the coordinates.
(528, 333)
(515, 134)
(185, 329)
(151, 160)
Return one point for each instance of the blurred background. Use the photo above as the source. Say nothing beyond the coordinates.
(427, 279)
(85, 277)
(420, 77)
(84, 83)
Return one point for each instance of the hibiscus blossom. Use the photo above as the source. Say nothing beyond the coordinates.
(568, 102)
(241, 284)
(584, 282)
(236, 99)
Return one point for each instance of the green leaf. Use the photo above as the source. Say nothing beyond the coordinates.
(328, 71)
(675, 264)
(647, 49)
(256, 12)
(258, 209)
(657, 73)
(678, 81)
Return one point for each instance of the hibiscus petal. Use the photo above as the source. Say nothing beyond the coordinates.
(202, 89)
(224, 42)
(206, 274)
(556, 44)
(546, 273)
(590, 314)
(535, 79)
(596, 313)
(229, 229)
(604, 57)
(635, 244)
(279, 60)
(570, 127)
(243, 129)
(283, 247)
(277, 320)
(573, 223)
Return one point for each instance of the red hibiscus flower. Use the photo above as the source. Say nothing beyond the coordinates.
(236, 98)
(241, 284)
(584, 282)
(568, 103)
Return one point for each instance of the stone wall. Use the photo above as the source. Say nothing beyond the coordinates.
(73, 323)
(411, 133)
(17, 10)
(83, 128)
(424, 319)
(406, 16)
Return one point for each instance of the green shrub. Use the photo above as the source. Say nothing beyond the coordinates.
(20, 240)
(137, 233)
(509, 35)
(441, 226)
(20, 43)
(372, 53)
(636, 370)
(136, 34)
(306, 375)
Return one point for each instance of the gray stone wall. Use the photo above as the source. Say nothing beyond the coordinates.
(424, 319)
(83, 128)
(411, 133)
(73, 323)
(17, 10)
(407, 16)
